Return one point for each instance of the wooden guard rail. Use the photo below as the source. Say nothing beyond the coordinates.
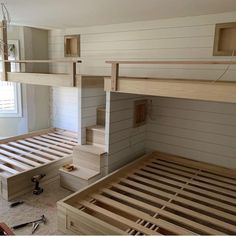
(116, 64)
(7, 63)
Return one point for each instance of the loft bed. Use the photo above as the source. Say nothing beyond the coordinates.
(219, 91)
(156, 194)
(59, 80)
(41, 152)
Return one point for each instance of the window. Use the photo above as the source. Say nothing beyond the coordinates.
(10, 93)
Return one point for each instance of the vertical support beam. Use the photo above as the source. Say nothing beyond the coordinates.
(114, 76)
(73, 72)
(4, 50)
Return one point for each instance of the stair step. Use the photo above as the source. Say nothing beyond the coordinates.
(89, 156)
(82, 172)
(95, 135)
(90, 148)
(101, 116)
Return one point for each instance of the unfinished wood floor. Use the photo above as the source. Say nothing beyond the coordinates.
(166, 195)
(25, 154)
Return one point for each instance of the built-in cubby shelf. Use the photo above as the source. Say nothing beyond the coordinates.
(72, 45)
(225, 39)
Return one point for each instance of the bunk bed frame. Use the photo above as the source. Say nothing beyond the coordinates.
(157, 194)
(219, 91)
(41, 152)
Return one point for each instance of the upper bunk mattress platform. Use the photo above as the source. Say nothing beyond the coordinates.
(157, 194)
(24, 156)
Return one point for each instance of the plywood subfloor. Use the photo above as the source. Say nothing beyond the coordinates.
(33, 208)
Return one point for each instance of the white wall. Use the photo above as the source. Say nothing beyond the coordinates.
(65, 108)
(203, 131)
(124, 142)
(35, 99)
(189, 38)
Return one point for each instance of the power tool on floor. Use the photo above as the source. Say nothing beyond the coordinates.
(35, 179)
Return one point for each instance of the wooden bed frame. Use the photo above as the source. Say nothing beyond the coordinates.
(41, 152)
(157, 194)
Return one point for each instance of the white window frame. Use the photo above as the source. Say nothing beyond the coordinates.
(17, 88)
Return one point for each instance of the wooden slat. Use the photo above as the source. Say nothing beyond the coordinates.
(50, 147)
(196, 196)
(118, 218)
(40, 159)
(169, 215)
(192, 213)
(203, 173)
(130, 210)
(214, 182)
(196, 164)
(63, 137)
(44, 154)
(59, 140)
(180, 199)
(199, 184)
(19, 158)
(188, 187)
(8, 169)
(14, 163)
(53, 142)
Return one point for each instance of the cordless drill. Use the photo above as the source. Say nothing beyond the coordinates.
(35, 179)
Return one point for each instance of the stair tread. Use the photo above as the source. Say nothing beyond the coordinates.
(101, 108)
(82, 172)
(97, 128)
(91, 148)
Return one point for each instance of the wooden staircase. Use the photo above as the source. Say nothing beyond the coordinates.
(89, 159)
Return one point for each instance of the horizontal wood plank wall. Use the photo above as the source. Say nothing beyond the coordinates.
(91, 99)
(186, 38)
(64, 108)
(203, 131)
(124, 142)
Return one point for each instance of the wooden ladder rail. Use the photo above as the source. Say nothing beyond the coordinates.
(115, 65)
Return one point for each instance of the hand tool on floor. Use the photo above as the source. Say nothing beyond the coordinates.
(35, 179)
(14, 204)
(4, 229)
(35, 227)
(42, 219)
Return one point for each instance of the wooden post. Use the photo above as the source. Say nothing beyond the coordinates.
(114, 76)
(4, 50)
(73, 74)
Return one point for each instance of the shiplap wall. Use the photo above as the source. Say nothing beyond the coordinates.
(65, 108)
(180, 38)
(124, 142)
(204, 131)
(91, 99)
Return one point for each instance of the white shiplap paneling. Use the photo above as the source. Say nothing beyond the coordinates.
(64, 108)
(200, 130)
(204, 131)
(124, 142)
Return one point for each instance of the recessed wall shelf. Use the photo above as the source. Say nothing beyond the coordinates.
(225, 39)
(72, 45)
(140, 113)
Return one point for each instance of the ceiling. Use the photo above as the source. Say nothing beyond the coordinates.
(77, 13)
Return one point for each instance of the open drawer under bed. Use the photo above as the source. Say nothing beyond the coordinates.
(41, 152)
(157, 194)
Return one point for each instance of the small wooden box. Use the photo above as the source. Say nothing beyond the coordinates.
(72, 45)
(225, 39)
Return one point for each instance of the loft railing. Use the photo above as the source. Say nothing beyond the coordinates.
(115, 65)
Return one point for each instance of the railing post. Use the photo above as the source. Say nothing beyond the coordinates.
(114, 76)
(73, 73)
(4, 49)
